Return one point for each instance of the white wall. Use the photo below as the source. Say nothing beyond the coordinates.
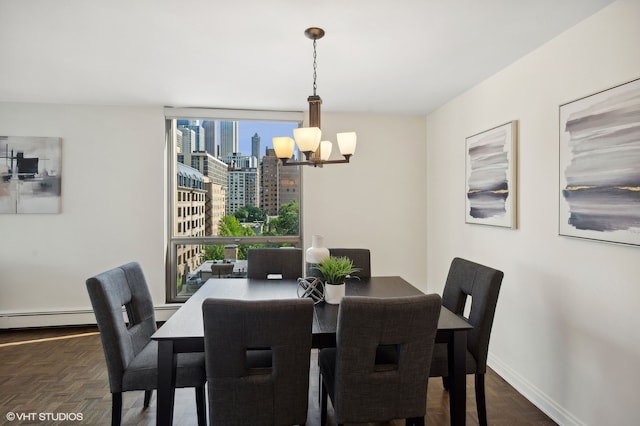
(112, 209)
(377, 201)
(566, 330)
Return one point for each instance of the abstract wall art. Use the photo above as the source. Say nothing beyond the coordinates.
(600, 166)
(30, 173)
(491, 176)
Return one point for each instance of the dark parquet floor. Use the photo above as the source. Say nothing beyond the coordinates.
(60, 373)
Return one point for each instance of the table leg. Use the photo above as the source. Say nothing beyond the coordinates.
(457, 377)
(166, 382)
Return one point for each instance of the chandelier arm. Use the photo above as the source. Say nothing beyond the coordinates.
(314, 163)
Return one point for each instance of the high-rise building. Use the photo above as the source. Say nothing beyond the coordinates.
(228, 139)
(243, 189)
(210, 139)
(215, 174)
(190, 215)
(178, 142)
(269, 176)
(255, 146)
(288, 184)
(196, 127)
(238, 161)
(187, 140)
(278, 184)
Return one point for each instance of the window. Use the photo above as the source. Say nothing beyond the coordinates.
(227, 192)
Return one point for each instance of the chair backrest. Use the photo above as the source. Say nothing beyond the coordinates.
(482, 283)
(274, 392)
(121, 342)
(361, 259)
(264, 261)
(365, 391)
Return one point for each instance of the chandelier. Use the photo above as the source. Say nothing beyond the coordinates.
(308, 139)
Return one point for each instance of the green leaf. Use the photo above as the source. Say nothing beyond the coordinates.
(335, 270)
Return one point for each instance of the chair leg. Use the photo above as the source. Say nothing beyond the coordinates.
(319, 378)
(414, 421)
(147, 398)
(116, 408)
(201, 406)
(481, 404)
(323, 404)
(320, 386)
(445, 383)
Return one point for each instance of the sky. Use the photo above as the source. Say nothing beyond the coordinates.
(266, 131)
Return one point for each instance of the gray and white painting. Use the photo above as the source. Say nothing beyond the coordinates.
(600, 166)
(490, 188)
(30, 174)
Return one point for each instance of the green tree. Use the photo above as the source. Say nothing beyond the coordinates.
(214, 252)
(287, 222)
(242, 214)
(230, 226)
(250, 214)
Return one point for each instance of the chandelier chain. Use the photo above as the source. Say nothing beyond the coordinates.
(308, 139)
(315, 66)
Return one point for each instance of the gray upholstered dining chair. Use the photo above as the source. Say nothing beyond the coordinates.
(257, 358)
(264, 261)
(131, 355)
(360, 257)
(482, 284)
(366, 388)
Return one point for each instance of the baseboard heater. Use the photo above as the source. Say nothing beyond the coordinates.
(9, 320)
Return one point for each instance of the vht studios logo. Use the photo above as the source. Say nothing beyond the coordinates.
(43, 417)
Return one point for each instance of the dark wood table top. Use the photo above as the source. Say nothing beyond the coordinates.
(187, 324)
(184, 331)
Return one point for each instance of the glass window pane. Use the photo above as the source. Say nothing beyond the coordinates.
(198, 263)
(229, 168)
(226, 185)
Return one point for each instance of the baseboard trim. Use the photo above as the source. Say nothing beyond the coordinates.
(537, 397)
(9, 320)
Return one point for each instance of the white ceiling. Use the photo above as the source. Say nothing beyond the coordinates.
(393, 56)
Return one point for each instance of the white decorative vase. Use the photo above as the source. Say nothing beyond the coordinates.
(333, 293)
(314, 255)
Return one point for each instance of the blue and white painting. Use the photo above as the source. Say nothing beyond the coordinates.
(491, 189)
(600, 166)
(30, 174)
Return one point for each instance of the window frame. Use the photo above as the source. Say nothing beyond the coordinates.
(172, 241)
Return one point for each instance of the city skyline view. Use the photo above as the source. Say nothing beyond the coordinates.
(266, 131)
(236, 196)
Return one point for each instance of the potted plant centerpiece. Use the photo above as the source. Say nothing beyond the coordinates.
(334, 271)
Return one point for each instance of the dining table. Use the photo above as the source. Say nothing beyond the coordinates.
(184, 330)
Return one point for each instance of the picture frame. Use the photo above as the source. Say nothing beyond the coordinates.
(599, 162)
(491, 187)
(30, 174)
